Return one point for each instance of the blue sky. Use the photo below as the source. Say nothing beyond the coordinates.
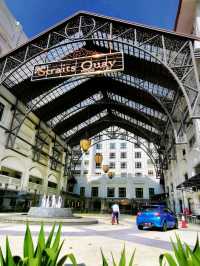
(37, 15)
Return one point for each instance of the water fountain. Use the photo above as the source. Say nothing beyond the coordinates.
(50, 211)
(51, 207)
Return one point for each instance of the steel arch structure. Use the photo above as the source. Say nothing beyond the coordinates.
(154, 98)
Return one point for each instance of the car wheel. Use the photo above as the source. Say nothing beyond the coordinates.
(140, 227)
(164, 228)
(176, 225)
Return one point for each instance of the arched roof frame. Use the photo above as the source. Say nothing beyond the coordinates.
(139, 41)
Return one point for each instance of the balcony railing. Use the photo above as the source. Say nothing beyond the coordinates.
(9, 181)
(34, 186)
(52, 191)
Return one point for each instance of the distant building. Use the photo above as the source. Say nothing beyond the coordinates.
(133, 174)
(11, 32)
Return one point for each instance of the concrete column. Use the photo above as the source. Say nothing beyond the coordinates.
(87, 205)
(25, 175)
(103, 205)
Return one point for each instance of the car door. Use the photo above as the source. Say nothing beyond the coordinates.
(171, 217)
(168, 217)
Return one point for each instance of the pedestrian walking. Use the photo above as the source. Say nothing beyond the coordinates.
(115, 213)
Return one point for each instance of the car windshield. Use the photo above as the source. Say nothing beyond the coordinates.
(150, 208)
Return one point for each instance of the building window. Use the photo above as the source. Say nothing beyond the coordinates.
(98, 146)
(35, 179)
(77, 172)
(98, 138)
(123, 165)
(123, 174)
(82, 191)
(110, 192)
(112, 165)
(138, 174)
(95, 192)
(192, 141)
(112, 145)
(113, 136)
(172, 187)
(112, 155)
(85, 172)
(139, 192)
(52, 184)
(137, 145)
(138, 165)
(137, 154)
(123, 145)
(151, 192)
(123, 155)
(122, 192)
(150, 172)
(1, 110)
(186, 176)
(86, 163)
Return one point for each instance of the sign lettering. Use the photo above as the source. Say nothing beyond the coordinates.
(94, 64)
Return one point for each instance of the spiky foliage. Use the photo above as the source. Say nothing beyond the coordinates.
(122, 261)
(46, 251)
(183, 254)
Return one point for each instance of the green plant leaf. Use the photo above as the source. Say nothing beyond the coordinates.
(196, 249)
(40, 245)
(168, 258)
(179, 251)
(17, 259)
(132, 258)
(64, 258)
(23, 262)
(49, 240)
(9, 257)
(56, 254)
(28, 244)
(2, 261)
(41, 237)
(49, 254)
(113, 260)
(104, 261)
(57, 238)
(192, 259)
(122, 261)
(33, 262)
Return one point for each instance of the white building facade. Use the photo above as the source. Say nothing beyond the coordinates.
(131, 173)
(20, 170)
(186, 157)
(11, 32)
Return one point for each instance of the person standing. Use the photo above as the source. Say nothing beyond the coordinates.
(115, 213)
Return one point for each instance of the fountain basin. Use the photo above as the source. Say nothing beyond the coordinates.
(43, 212)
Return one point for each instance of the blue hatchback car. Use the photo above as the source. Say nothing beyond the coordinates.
(156, 216)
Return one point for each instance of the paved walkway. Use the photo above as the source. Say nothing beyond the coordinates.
(85, 241)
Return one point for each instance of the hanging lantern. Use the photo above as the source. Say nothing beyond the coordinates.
(110, 175)
(98, 158)
(85, 144)
(105, 168)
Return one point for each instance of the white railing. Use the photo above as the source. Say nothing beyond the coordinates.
(4, 179)
(34, 186)
(52, 191)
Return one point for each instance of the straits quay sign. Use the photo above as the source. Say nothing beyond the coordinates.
(94, 64)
